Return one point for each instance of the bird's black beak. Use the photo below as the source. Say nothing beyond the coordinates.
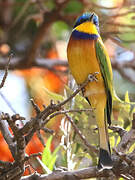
(91, 17)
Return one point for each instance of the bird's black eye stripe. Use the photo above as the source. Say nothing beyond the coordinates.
(80, 22)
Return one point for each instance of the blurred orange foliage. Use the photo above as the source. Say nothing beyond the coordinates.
(5, 154)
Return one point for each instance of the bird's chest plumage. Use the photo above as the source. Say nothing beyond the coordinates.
(82, 59)
(82, 62)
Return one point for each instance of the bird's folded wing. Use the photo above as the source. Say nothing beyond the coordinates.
(106, 70)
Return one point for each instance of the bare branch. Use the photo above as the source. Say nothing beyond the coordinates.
(20, 63)
(91, 172)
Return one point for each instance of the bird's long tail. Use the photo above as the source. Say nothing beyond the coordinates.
(105, 161)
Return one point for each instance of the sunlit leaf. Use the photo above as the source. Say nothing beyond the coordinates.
(49, 158)
(54, 96)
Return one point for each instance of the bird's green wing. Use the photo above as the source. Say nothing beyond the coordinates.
(106, 70)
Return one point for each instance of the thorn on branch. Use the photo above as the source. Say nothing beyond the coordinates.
(35, 106)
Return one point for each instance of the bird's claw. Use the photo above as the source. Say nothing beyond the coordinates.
(93, 77)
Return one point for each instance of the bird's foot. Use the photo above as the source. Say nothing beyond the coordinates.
(93, 77)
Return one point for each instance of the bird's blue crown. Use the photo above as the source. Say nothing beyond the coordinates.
(86, 17)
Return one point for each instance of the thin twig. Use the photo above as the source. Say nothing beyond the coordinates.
(68, 111)
(6, 71)
(91, 148)
(75, 92)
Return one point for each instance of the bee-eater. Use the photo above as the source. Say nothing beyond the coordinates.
(87, 55)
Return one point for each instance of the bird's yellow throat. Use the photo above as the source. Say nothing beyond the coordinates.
(87, 27)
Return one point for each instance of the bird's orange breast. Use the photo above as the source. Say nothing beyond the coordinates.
(82, 62)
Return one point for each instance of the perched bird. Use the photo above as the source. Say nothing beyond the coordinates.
(87, 55)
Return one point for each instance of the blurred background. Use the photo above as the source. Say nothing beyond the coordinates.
(37, 33)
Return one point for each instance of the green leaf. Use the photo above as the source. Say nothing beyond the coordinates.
(49, 158)
(46, 155)
(54, 96)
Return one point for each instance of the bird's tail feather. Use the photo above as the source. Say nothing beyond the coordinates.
(105, 161)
